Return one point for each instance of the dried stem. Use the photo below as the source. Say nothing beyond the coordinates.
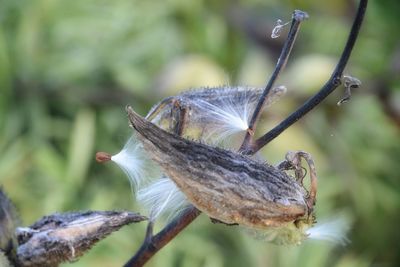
(148, 249)
(297, 18)
(333, 82)
(176, 226)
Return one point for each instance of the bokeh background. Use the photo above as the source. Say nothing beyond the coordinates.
(68, 68)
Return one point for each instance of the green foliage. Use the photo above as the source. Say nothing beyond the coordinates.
(68, 68)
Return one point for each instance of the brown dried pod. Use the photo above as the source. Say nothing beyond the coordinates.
(67, 236)
(214, 115)
(226, 185)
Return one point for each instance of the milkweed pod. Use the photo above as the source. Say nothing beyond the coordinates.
(63, 237)
(209, 114)
(225, 185)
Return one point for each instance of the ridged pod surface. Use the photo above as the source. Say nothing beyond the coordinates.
(223, 184)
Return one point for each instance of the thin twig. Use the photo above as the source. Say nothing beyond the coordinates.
(176, 226)
(297, 17)
(148, 249)
(333, 82)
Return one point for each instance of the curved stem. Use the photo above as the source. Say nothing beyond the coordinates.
(151, 245)
(333, 82)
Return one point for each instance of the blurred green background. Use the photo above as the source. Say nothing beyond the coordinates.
(68, 68)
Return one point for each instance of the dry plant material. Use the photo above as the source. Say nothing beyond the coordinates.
(210, 115)
(67, 236)
(226, 185)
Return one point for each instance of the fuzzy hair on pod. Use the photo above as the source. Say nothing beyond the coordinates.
(333, 230)
(162, 198)
(132, 160)
(159, 197)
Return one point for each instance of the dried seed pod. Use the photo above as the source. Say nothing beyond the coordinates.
(206, 114)
(225, 185)
(211, 113)
(67, 236)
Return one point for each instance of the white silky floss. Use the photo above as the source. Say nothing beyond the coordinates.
(131, 159)
(160, 198)
(334, 231)
(229, 118)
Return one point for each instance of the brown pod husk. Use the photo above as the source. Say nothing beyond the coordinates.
(67, 236)
(225, 185)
